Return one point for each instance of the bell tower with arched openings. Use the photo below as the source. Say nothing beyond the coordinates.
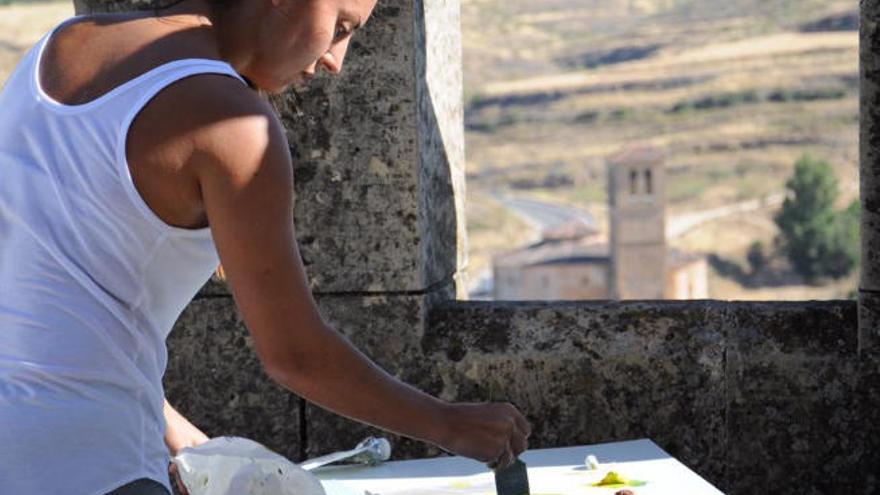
(637, 211)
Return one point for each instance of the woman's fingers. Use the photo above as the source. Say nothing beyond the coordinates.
(492, 433)
(523, 424)
(175, 476)
(518, 442)
(502, 460)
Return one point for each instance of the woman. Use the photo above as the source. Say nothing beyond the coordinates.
(132, 153)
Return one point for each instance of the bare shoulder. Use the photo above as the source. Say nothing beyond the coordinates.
(223, 126)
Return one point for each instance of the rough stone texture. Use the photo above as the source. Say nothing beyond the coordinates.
(215, 379)
(89, 6)
(440, 95)
(792, 374)
(868, 442)
(593, 372)
(869, 146)
(378, 153)
(869, 323)
(869, 143)
(749, 395)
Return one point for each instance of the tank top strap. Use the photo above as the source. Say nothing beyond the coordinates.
(146, 85)
(132, 101)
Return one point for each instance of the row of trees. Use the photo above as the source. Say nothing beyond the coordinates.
(819, 240)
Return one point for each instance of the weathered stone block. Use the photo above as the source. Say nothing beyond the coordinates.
(869, 323)
(379, 154)
(869, 143)
(868, 436)
(593, 372)
(794, 410)
(820, 329)
(215, 379)
(89, 6)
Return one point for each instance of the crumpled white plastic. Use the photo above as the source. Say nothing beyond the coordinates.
(239, 466)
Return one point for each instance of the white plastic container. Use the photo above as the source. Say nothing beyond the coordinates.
(239, 466)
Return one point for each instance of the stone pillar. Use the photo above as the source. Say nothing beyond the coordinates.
(379, 176)
(869, 286)
(379, 156)
(869, 143)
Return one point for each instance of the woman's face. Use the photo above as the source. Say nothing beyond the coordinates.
(299, 37)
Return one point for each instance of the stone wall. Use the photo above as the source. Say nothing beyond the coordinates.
(749, 395)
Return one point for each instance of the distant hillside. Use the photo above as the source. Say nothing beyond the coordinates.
(506, 39)
(734, 91)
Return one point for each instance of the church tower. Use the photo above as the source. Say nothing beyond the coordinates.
(637, 207)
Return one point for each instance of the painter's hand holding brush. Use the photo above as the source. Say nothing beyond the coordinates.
(492, 433)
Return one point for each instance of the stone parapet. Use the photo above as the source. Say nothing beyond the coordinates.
(793, 403)
(749, 395)
(869, 143)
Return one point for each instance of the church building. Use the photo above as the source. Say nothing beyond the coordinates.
(632, 261)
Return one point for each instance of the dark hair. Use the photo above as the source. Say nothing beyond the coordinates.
(157, 6)
(214, 3)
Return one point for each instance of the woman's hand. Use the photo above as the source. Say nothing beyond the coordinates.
(492, 433)
(179, 432)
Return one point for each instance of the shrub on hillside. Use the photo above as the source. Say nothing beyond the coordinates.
(756, 257)
(818, 241)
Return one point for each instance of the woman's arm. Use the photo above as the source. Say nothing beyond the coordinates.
(179, 432)
(245, 175)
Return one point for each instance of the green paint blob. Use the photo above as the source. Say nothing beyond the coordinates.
(616, 480)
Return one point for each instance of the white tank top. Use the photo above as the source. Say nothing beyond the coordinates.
(91, 282)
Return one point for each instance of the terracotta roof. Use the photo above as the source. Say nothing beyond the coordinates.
(636, 154)
(554, 251)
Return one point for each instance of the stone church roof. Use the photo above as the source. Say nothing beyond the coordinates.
(580, 251)
(556, 251)
(636, 154)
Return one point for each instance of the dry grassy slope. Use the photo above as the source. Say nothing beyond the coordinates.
(730, 89)
(507, 39)
(22, 24)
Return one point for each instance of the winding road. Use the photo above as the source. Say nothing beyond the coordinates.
(542, 215)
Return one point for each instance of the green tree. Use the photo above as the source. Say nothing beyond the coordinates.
(756, 257)
(818, 241)
(845, 241)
